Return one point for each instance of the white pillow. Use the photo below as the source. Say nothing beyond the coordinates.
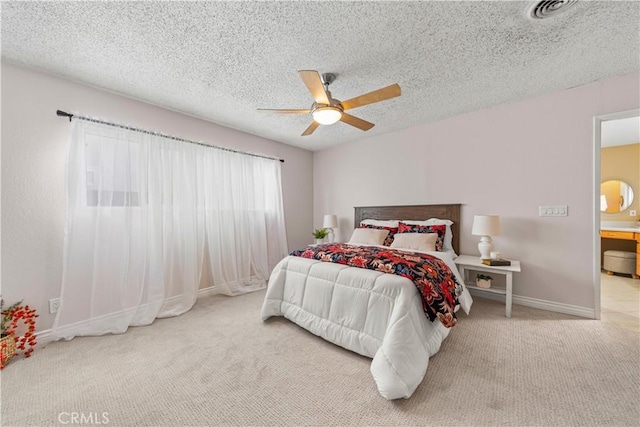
(424, 242)
(391, 223)
(368, 236)
(447, 242)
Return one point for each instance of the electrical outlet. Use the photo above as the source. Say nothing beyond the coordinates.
(54, 305)
(632, 213)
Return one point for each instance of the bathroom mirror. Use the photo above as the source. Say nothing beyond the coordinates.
(615, 196)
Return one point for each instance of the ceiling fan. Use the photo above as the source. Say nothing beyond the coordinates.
(327, 110)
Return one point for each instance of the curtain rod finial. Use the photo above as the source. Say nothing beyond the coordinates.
(63, 114)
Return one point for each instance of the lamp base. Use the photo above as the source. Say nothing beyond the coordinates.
(485, 247)
(331, 236)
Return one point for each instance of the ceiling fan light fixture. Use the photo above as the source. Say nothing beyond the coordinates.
(327, 110)
(327, 115)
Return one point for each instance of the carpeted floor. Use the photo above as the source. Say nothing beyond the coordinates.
(220, 365)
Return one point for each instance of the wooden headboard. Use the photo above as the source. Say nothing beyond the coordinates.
(416, 213)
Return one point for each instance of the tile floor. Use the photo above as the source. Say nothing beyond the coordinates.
(620, 300)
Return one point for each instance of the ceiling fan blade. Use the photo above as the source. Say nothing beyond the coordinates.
(354, 121)
(312, 79)
(285, 111)
(312, 127)
(371, 97)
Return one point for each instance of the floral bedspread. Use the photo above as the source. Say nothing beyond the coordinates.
(435, 281)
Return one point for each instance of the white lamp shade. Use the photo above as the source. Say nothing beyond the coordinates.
(330, 221)
(486, 225)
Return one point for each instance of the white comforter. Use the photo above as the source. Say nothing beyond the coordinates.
(375, 314)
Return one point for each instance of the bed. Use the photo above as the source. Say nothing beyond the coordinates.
(372, 313)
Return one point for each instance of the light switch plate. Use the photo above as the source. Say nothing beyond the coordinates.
(557, 210)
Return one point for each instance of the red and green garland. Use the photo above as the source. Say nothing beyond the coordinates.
(11, 318)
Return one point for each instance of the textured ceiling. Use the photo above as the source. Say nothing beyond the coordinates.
(220, 61)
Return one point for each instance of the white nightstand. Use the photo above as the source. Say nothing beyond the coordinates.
(473, 262)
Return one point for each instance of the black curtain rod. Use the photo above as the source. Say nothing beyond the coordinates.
(61, 113)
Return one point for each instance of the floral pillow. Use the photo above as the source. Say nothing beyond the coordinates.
(438, 229)
(392, 230)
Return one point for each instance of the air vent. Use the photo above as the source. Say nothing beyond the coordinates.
(548, 8)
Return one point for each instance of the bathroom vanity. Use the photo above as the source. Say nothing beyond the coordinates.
(621, 236)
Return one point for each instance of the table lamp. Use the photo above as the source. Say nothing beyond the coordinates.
(603, 203)
(330, 222)
(486, 226)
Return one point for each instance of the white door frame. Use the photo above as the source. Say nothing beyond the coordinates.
(597, 145)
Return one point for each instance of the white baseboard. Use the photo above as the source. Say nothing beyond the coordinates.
(541, 304)
(43, 338)
(210, 290)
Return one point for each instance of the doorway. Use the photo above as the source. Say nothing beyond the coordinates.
(617, 297)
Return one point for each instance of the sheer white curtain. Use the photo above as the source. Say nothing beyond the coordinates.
(244, 213)
(151, 220)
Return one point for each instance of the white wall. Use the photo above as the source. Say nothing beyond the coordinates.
(507, 160)
(33, 167)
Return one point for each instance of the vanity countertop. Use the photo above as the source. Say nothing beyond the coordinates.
(614, 228)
